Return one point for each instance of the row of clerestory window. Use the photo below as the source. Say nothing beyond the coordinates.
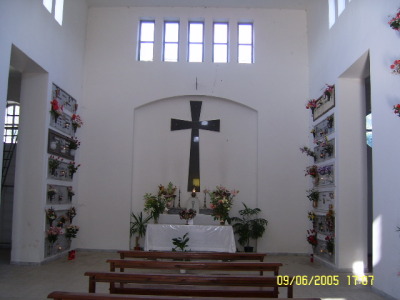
(171, 44)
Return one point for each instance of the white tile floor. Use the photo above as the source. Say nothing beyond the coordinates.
(36, 282)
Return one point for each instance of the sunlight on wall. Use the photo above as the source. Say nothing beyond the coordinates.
(377, 237)
(332, 13)
(358, 268)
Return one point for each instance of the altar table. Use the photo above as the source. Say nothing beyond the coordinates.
(201, 237)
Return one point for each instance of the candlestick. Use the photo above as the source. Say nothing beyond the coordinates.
(205, 199)
(179, 198)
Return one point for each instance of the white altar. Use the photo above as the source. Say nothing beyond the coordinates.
(201, 237)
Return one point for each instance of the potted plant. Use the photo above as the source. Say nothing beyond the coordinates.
(180, 243)
(138, 226)
(248, 226)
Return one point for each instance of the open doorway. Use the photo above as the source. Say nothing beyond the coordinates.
(27, 89)
(10, 140)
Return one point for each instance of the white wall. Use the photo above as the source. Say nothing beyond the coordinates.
(117, 86)
(44, 52)
(363, 27)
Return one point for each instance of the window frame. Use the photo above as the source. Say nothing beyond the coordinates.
(13, 126)
(196, 43)
(245, 44)
(171, 43)
(141, 42)
(219, 43)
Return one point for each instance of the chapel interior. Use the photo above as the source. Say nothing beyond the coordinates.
(107, 102)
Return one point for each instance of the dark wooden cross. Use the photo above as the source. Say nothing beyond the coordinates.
(195, 125)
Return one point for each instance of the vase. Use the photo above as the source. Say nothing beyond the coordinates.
(315, 203)
(221, 222)
(187, 221)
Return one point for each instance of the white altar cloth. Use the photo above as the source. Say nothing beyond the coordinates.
(201, 237)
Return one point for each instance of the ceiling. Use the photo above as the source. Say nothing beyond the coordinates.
(270, 4)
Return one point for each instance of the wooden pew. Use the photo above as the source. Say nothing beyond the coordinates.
(188, 285)
(123, 264)
(59, 295)
(192, 255)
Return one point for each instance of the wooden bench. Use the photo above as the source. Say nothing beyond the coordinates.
(188, 285)
(192, 255)
(58, 295)
(122, 264)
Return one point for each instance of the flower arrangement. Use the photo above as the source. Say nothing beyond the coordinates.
(330, 243)
(313, 195)
(71, 213)
(308, 152)
(56, 109)
(396, 109)
(311, 216)
(72, 168)
(221, 202)
(330, 120)
(53, 233)
(330, 220)
(70, 193)
(312, 171)
(51, 192)
(61, 221)
(312, 104)
(76, 121)
(74, 143)
(187, 214)
(51, 215)
(155, 205)
(395, 67)
(394, 22)
(328, 91)
(71, 231)
(327, 147)
(54, 162)
(312, 237)
(168, 193)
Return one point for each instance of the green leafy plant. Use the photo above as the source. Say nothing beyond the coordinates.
(180, 243)
(248, 226)
(138, 226)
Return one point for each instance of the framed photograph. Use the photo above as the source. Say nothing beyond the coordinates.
(325, 103)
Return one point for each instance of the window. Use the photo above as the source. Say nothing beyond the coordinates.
(58, 9)
(171, 41)
(48, 4)
(220, 43)
(196, 42)
(245, 43)
(146, 41)
(11, 122)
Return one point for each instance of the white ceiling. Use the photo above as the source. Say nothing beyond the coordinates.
(271, 4)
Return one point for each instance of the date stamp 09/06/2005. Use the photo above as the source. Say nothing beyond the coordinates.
(325, 280)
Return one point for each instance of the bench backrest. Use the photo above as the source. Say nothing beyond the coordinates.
(59, 295)
(192, 255)
(122, 264)
(179, 279)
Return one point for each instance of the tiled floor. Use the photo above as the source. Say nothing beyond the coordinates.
(36, 282)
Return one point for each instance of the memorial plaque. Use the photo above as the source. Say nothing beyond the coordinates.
(63, 123)
(64, 99)
(61, 172)
(60, 145)
(59, 194)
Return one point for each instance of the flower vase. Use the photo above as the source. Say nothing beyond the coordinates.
(315, 203)
(187, 221)
(221, 222)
